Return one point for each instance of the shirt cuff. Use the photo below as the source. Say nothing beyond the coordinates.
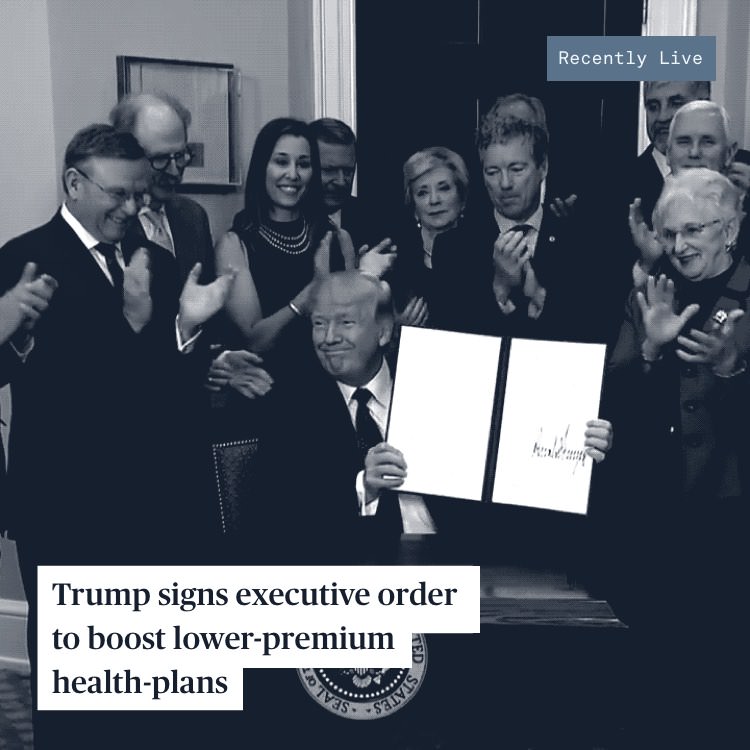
(184, 347)
(365, 508)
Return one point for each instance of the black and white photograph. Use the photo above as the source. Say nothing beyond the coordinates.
(357, 283)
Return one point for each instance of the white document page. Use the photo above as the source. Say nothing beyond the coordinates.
(552, 390)
(442, 410)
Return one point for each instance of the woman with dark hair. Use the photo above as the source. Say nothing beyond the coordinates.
(277, 241)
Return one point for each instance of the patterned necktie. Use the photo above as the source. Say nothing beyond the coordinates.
(115, 271)
(368, 432)
(160, 235)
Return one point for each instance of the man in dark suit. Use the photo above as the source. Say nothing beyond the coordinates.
(338, 162)
(321, 493)
(549, 272)
(102, 399)
(160, 124)
(102, 456)
(661, 99)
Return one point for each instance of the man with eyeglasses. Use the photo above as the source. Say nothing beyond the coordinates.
(160, 124)
(105, 466)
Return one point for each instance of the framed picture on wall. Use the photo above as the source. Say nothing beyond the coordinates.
(206, 89)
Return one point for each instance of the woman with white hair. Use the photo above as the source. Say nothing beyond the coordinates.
(678, 387)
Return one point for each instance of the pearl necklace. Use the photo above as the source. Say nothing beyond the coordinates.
(295, 245)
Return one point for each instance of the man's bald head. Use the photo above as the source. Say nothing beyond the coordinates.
(352, 322)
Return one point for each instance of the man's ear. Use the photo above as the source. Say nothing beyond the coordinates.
(386, 330)
(73, 179)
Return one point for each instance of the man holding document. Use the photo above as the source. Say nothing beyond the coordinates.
(328, 480)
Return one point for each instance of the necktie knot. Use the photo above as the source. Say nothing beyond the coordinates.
(362, 396)
(523, 228)
(108, 251)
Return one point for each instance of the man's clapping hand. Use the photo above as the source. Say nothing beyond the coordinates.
(22, 305)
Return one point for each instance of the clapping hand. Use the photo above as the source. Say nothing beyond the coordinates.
(739, 173)
(645, 239)
(717, 348)
(563, 207)
(22, 305)
(199, 302)
(240, 370)
(660, 321)
(598, 439)
(377, 261)
(137, 305)
(510, 253)
(414, 314)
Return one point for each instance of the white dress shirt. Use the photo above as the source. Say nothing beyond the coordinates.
(90, 242)
(415, 517)
(504, 224)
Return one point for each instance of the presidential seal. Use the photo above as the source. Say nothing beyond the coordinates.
(367, 693)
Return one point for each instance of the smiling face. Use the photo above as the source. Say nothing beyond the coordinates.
(661, 100)
(699, 140)
(437, 201)
(347, 333)
(695, 238)
(288, 175)
(512, 178)
(93, 200)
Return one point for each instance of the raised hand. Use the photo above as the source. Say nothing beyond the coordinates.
(137, 305)
(717, 348)
(510, 253)
(22, 305)
(377, 261)
(645, 239)
(385, 469)
(199, 302)
(660, 321)
(563, 207)
(739, 173)
(414, 314)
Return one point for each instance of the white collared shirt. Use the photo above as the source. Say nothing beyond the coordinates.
(90, 242)
(534, 221)
(415, 517)
(150, 230)
(661, 162)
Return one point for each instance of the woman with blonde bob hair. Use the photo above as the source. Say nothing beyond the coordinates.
(436, 186)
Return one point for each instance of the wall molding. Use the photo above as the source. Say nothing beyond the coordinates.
(334, 61)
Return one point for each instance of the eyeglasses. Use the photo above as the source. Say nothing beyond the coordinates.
(181, 159)
(118, 194)
(689, 232)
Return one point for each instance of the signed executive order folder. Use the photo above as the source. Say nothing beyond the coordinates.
(496, 420)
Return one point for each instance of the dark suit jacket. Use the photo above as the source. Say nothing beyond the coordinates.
(573, 264)
(358, 220)
(99, 451)
(191, 234)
